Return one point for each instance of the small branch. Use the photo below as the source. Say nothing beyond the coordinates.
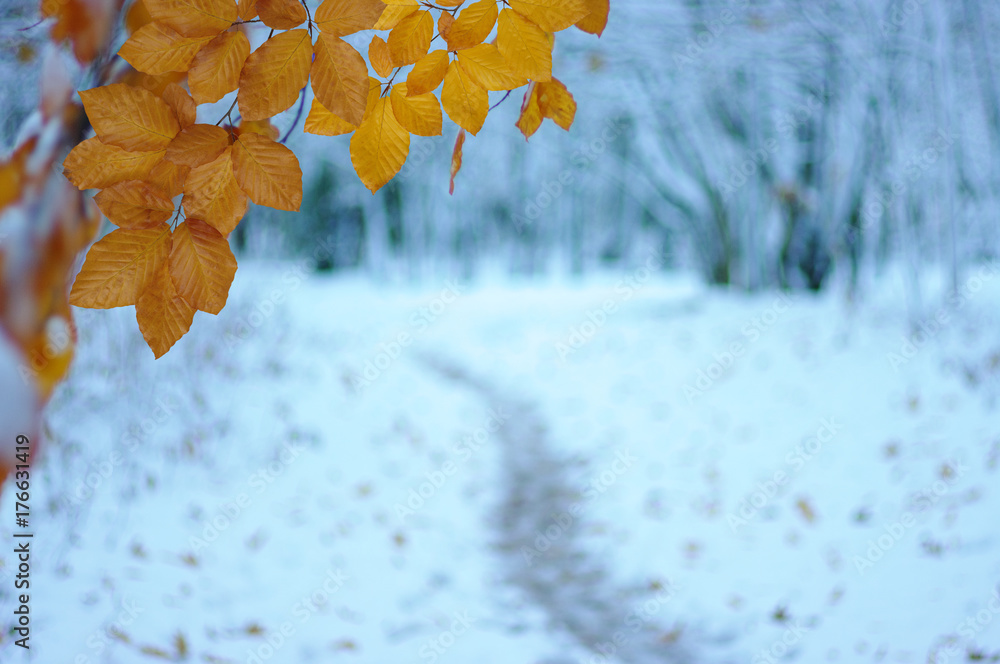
(502, 100)
(298, 116)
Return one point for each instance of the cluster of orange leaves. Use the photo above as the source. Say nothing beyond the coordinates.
(150, 148)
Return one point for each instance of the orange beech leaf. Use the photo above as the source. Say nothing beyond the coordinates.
(525, 46)
(135, 204)
(485, 65)
(322, 122)
(473, 25)
(411, 38)
(157, 49)
(456, 159)
(597, 19)
(380, 145)
(281, 14)
(268, 172)
(419, 114)
(555, 102)
(215, 71)
(395, 11)
(202, 265)
(428, 73)
(95, 165)
(275, 74)
(212, 194)
(464, 101)
(345, 17)
(119, 267)
(380, 57)
(193, 18)
(551, 15)
(131, 118)
(163, 315)
(197, 145)
(340, 78)
(181, 103)
(531, 115)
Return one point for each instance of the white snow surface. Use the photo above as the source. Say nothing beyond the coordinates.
(618, 469)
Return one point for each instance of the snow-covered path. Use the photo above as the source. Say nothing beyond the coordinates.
(337, 471)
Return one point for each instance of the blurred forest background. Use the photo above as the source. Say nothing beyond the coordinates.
(759, 142)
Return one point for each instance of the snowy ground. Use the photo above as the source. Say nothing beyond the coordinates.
(630, 469)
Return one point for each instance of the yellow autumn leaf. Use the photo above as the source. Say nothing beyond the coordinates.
(93, 164)
(136, 16)
(134, 204)
(119, 267)
(281, 14)
(379, 56)
(197, 145)
(212, 194)
(162, 314)
(215, 71)
(193, 18)
(202, 266)
(525, 46)
(181, 103)
(428, 73)
(488, 68)
(445, 21)
(464, 101)
(531, 116)
(555, 102)
(411, 38)
(345, 17)
(274, 75)
(419, 114)
(394, 12)
(157, 49)
(597, 18)
(246, 10)
(340, 78)
(322, 122)
(473, 25)
(380, 145)
(456, 159)
(169, 177)
(131, 118)
(268, 172)
(551, 15)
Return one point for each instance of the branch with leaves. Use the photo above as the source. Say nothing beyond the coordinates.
(150, 149)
